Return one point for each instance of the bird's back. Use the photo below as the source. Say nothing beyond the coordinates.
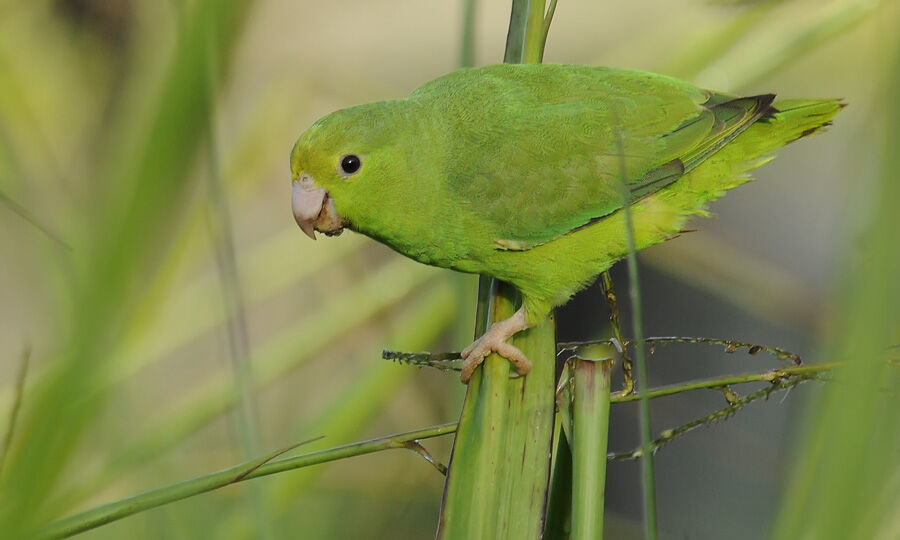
(536, 156)
(535, 151)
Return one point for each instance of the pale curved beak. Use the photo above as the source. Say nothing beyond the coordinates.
(307, 205)
(313, 209)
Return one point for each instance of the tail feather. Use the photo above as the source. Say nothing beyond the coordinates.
(663, 214)
(787, 121)
(794, 119)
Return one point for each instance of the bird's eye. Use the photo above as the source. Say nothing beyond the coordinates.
(350, 163)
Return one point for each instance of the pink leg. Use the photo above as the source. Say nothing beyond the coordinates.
(494, 340)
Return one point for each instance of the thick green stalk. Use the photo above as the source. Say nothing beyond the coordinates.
(499, 468)
(497, 484)
(528, 27)
(590, 430)
(502, 446)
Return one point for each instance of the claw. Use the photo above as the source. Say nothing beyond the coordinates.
(494, 340)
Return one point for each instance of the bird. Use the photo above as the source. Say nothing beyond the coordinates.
(521, 172)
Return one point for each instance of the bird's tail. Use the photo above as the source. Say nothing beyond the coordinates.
(787, 121)
(663, 214)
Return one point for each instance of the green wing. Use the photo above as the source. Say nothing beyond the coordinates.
(577, 131)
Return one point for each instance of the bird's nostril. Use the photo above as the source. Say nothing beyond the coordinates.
(306, 182)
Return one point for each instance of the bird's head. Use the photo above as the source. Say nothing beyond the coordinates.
(338, 166)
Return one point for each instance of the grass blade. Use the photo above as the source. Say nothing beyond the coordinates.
(845, 477)
(16, 405)
(274, 359)
(421, 323)
(256, 468)
(648, 481)
(142, 190)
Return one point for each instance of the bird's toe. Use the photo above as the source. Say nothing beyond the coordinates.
(474, 355)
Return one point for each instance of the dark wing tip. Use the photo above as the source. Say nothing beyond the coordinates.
(764, 104)
(736, 109)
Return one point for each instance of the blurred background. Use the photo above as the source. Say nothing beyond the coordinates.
(176, 320)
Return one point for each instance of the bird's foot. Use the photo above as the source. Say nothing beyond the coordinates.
(494, 340)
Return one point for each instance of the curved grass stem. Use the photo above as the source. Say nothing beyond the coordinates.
(95, 517)
(256, 468)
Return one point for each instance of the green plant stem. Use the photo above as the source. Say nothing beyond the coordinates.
(735, 403)
(527, 34)
(28, 217)
(810, 371)
(499, 467)
(815, 28)
(548, 18)
(268, 270)
(143, 182)
(647, 474)
(393, 282)
(16, 405)
(150, 499)
(351, 407)
(467, 49)
(559, 504)
(730, 345)
(452, 360)
(718, 40)
(627, 366)
(483, 307)
(590, 432)
(220, 228)
(221, 231)
(845, 478)
(257, 468)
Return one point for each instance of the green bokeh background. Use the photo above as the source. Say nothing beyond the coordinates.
(179, 322)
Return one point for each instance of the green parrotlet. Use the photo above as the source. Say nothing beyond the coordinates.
(520, 172)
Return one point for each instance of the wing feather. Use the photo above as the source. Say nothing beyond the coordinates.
(573, 128)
